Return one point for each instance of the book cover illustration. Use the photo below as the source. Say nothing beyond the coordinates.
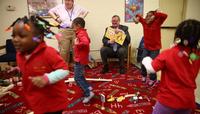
(119, 37)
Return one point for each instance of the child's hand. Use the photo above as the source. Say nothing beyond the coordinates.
(58, 20)
(118, 30)
(11, 69)
(157, 10)
(82, 14)
(111, 41)
(152, 17)
(39, 81)
(76, 41)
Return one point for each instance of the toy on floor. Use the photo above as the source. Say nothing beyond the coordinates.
(135, 97)
(5, 90)
(103, 100)
(90, 79)
(92, 63)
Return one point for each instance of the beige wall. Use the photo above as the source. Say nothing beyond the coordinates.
(192, 9)
(97, 20)
(174, 9)
(100, 15)
(7, 17)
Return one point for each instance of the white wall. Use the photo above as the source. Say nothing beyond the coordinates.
(174, 9)
(192, 9)
(97, 20)
(100, 15)
(7, 17)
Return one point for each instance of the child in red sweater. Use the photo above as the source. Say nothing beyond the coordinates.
(43, 70)
(81, 57)
(152, 38)
(179, 67)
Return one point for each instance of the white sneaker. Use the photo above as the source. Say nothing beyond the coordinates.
(90, 88)
(87, 99)
(143, 79)
(151, 82)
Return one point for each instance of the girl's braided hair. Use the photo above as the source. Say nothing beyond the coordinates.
(42, 26)
(189, 33)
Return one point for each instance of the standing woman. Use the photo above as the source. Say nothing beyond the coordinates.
(65, 14)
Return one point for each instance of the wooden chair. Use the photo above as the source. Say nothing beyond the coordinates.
(128, 57)
(137, 53)
(10, 55)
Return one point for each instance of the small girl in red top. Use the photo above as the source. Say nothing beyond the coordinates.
(152, 38)
(179, 67)
(43, 70)
(81, 57)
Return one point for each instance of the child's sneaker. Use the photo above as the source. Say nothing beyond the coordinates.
(151, 82)
(143, 79)
(90, 88)
(198, 105)
(87, 99)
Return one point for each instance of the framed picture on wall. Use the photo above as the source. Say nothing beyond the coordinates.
(41, 7)
(132, 8)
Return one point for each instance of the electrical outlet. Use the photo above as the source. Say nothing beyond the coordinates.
(10, 8)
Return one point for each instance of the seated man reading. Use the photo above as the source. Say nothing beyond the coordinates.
(115, 44)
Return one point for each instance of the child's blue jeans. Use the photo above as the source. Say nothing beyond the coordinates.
(80, 79)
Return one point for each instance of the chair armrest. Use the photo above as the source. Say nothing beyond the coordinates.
(129, 46)
(129, 55)
(2, 50)
(129, 49)
(2, 47)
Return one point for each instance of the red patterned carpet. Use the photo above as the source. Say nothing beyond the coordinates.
(121, 85)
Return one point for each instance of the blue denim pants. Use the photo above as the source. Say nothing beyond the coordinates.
(153, 55)
(80, 79)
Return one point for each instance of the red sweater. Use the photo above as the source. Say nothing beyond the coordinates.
(81, 46)
(152, 34)
(177, 78)
(42, 60)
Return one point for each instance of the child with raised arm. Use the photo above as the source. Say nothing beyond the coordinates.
(81, 57)
(43, 70)
(179, 67)
(152, 38)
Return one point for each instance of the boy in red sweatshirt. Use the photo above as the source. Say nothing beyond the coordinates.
(152, 38)
(81, 57)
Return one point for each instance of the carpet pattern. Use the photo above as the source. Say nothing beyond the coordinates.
(139, 99)
(140, 102)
